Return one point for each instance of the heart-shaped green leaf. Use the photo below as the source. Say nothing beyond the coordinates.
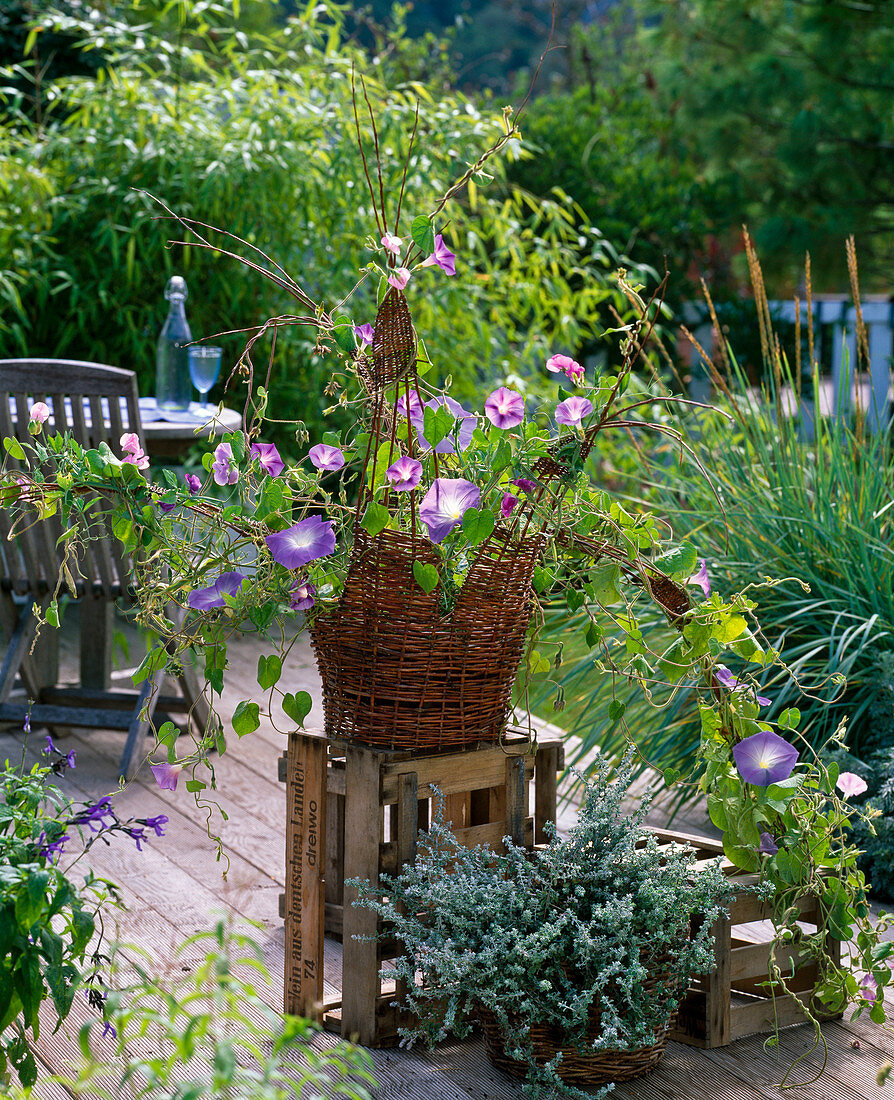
(246, 718)
(426, 576)
(375, 518)
(478, 524)
(423, 234)
(297, 706)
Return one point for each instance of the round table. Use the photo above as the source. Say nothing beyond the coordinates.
(169, 434)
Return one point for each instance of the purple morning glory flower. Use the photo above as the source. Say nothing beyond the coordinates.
(204, 599)
(868, 988)
(458, 439)
(302, 596)
(325, 457)
(193, 483)
(572, 410)
(768, 845)
(416, 409)
(723, 676)
(525, 484)
(505, 408)
(849, 783)
(701, 577)
(405, 474)
(564, 364)
(765, 758)
(268, 456)
(445, 504)
(222, 468)
(95, 815)
(507, 505)
(442, 257)
(157, 824)
(308, 540)
(364, 334)
(166, 775)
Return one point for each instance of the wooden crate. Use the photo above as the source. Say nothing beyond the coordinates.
(732, 1002)
(354, 812)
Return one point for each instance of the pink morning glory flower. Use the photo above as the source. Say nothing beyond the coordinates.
(564, 364)
(364, 334)
(445, 504)
(225, 473)
(525, 484)
(392, 244)
(723, 676)
(166, 775)
(442, 257)
(868, 988)
(768, 845)
(507, 505)
(193, 483)
(133, 452)
(268, 456)
(325, 457)
(765, 758)
(701, 577)
(399, 277)
(40, 413)
(308, 540)
(458, 439)
(404, 474)
(572, 411)
(302, 595)
(204, 599)
(849, 783)
(505, 408)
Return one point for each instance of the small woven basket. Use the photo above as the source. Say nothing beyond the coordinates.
(583, 1068)
(398, 673)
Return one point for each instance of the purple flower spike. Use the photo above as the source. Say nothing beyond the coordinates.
(166, 775)
(308, 540)
(849, 783)
(701, 577)
(765, 758)
(573, 410)
(222, 468)
(157, 824)
(139, 835)
(95, 815)
(442, 257)
(204, 599)
(302, 596)
(505, 408)
(107, 1029)
(364, 334)
(52, 849)
(325, 457)
(26, 727)
(768, 846)
(507, 505)
(445, 504)
(405, 474)
(193, 483)
(50, 746)
(456, 440)
(268, 456)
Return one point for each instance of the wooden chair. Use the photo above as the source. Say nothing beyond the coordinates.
(96, 403)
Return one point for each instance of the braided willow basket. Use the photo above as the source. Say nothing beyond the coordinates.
(399, 674)
(587, 1068)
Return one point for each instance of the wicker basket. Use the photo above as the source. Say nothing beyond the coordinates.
(397, 673)
(587, 1068)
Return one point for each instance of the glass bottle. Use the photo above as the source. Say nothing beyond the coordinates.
(172, 385)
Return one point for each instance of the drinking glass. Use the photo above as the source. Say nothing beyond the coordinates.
(204, 367)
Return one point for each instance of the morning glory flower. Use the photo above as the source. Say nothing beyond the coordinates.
(308, 540)
(458, 439)
(868, 988)
(849, 783)
(166, 775)
(268, 456)
(505, 408)
(445, 504)
(701, 577)
(163, 506)
(222, 468)
(399, 277)
(573, 410)
(723, 676)
(507, 505)
(204, 599)
(325, 457)
(442, 257)
(133, 452)
(525, 484)
(302, 596)
(364, 334)
(392, 244)
(416, 407)
(564, 364)
(193, 483)
(765, 758)
(404, 474)
(768, 845)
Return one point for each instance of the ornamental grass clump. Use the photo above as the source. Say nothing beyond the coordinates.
(603, 924)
